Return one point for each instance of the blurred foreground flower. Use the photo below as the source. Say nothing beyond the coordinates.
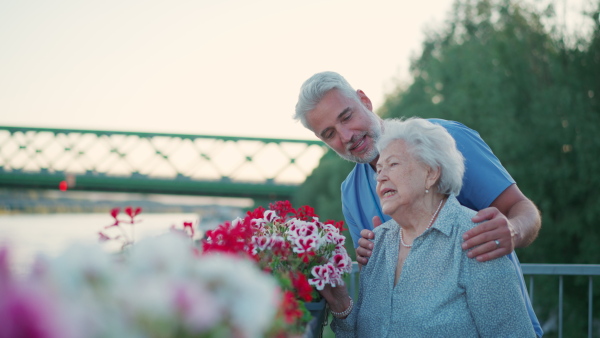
(160, 287)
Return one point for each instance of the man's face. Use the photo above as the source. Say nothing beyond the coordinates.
(347, 125)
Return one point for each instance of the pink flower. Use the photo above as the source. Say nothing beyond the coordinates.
(339, 262)
(308, 229)
(322, 275)
(262, 242)
(26, 310)
(305, 244)
(197, 307)
(335, 238)
(271, 216)
(103, 237)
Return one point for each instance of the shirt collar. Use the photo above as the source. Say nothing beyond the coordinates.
(443, 222)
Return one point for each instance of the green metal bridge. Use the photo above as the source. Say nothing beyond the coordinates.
(180, 164)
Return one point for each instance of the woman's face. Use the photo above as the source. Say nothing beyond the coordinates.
(401, 180)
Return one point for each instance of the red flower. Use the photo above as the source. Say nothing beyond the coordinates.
(283, 208)
(132, 212)
(305, 213)
(229, 237)
(114, 213)
(281, 248)
(188, 225)
(306, 255)
(339, 225)
(302, 287)
(291, 309)
(256, 213)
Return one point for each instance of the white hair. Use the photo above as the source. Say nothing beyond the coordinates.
(430, 144)
(313, 90)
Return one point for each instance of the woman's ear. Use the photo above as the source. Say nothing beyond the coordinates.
(433, 175)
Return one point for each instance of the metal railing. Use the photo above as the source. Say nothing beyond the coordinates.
(562, 270)
(532, 270)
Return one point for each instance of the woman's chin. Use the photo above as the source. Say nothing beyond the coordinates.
(388, 209)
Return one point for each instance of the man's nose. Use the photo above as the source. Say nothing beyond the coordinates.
(346, 135)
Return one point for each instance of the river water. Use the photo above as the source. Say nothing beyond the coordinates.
(28, 235)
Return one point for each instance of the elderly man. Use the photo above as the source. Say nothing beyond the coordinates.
(343, 118)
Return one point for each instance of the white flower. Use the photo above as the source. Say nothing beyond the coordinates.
(158, 287)
(250, 294)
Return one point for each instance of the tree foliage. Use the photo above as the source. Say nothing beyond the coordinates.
(506, 71)
(533, 100)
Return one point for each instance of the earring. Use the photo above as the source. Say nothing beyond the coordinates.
(427, 191)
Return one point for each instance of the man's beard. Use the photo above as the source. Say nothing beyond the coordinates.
(374, 133)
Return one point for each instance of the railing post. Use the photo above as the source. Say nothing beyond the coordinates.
(560, 305)
(531, 288)
(590, 308)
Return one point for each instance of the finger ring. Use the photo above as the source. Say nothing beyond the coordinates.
(497, 243)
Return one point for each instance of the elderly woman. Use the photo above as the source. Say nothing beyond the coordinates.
(419, 282)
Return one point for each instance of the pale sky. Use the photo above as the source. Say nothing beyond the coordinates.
(227, 67)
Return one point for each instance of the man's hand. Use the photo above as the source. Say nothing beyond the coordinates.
(365, 246)
(492, 239)
(513, 220)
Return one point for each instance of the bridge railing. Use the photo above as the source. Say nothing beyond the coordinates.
(208, 165)
(530, 271)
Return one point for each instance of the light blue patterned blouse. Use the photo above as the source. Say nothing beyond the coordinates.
(441, 292)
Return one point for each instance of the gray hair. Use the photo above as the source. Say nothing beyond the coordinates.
(430, 144)
(313, 90)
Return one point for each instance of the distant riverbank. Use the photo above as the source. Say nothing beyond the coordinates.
(29, 235)
(17, 201)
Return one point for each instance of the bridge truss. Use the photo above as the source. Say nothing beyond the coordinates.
(181, 164)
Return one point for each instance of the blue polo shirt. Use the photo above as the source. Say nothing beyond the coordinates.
(484, 180)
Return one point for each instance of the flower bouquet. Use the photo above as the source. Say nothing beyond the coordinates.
(302, 252)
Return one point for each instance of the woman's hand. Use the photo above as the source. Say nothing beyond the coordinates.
(337, 297)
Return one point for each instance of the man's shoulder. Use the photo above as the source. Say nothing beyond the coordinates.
(354, 176)
(453, 127)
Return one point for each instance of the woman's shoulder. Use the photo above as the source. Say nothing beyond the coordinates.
(459, 215)
(387, 227)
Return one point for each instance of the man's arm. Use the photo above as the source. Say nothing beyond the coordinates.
(512, 219)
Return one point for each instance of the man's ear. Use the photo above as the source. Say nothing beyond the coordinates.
(364, 99)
